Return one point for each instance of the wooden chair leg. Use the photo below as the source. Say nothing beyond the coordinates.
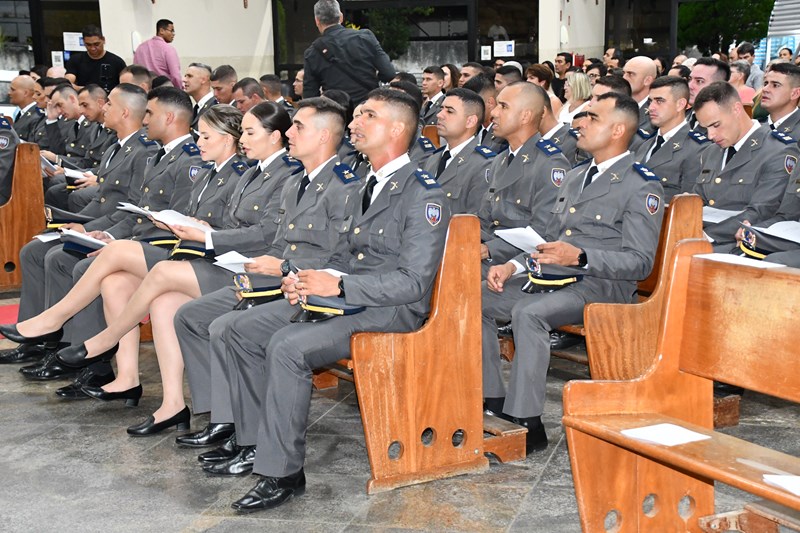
(324, 379)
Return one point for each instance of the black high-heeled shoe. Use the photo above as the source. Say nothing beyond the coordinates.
(77, 356)
(131, 396)
(10, 332)
(150, 427)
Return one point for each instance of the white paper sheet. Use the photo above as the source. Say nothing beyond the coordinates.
(664, 434)
(74, 174)
(526, 239)
(233, 261)
(739, 260)
(788, 229)
(82, 237)
(48, 237)
(714, 215)
(790, 483)
(125, 206)
(173, 218)
(46, 164)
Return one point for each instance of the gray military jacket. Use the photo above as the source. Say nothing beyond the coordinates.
(465, 181)
(616, 220)
(311, 232)
(790, 125)
(116, 176)
(166, 185)
(211, 192)
(566, 138)
(104, 137)
(8, 151)
(521, 193)
(646, 130)
(753, 181)
(250, 223)
(428, 117)
(396, 245)
(29, 122)
(677, 162)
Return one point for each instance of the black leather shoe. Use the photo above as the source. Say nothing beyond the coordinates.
(505, 331)
(48, 370)
(24, 353)
(10, 332)
(271, 492)
(212, 434)
(131, 396)
(561, 341)
(150, 427)
(240, 464)
(95, 375)
(536, 438)
(76, 356)
(224, 453)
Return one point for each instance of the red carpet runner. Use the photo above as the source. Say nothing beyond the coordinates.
(8, 314)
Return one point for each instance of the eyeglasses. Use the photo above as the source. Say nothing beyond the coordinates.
(593, 76)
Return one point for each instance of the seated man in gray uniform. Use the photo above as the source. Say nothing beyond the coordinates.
(673, 153)
(781, 96)
(526, 179)
(30, 117)
(382, 283)
(746, 172)
(601, 239)
(561, 134)
(462, 166)
(315, 206)
(121, 167)
(8, 151)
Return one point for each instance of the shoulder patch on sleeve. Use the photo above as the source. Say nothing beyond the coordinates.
(145, 140)
(4, 124)
(291, 161)
(426, 179)
(548, 147)
(426, 144)
(240, 167)
(191, 148)
(698, 137)
(485, 151)
(644, 134)
(345, 173)
(645, 172)
(574, 132)
(782, 137)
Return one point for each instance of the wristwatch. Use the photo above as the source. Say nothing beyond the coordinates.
(285, 268)
(341, 287)
(582, 261)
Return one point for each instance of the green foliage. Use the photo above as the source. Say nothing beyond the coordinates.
(712, 25)
(392, 27)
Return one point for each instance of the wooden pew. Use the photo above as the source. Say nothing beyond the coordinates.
(432, 134)
(420, 393)
(731, 323)
(629, 330)
(21, 217)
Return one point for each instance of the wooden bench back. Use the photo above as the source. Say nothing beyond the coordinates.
(432, 134)
(420, 393)
(740, 325)
(22, 216)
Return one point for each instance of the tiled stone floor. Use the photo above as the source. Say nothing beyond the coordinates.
(69, 466)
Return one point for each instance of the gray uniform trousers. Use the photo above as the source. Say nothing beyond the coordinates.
(533, 316)
(270, 373)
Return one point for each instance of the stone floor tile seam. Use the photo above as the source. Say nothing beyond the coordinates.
(334, 406)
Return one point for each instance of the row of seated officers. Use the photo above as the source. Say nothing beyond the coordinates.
(347, 236)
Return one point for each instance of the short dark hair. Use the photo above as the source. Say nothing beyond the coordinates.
(792, 71)
(91, 30)
(224, 73)
(402, 101)
(599, 67)
(511, 72)
(683, 70)
(540, 72)
(478, 66)
(723, 72)
(271, 81)
(328, 107)
(410, 89)
(617, 84)
(201, 66)
(251, 86)
(65, 89)
(273, 117)
(618, 55)
(627, 106)
(52, 82)
(159, 81)
(678, 86)
(473, 103)
(406, 77)
(437, 72)
(94, 90)
(719, 92)
(480, 85)
(745, 48)
(174, 98)
(140, 74)
(566, 55)
(163, 24)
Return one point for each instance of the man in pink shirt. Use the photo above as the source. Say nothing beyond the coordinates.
(157, 55)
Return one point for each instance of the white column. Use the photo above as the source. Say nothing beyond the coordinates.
(577, 26)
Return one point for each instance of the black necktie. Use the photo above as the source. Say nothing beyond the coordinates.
(114, 150)
(509, 159)
(303, 184)
(659, 144)
(367, 199)
(442, 163)
(692, 120)
(483, 134)
(772, 126)
(591, 173)
(195, 112)
(729, 154)
(161, 153)
(428, 106)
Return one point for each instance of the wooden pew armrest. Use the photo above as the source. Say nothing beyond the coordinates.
(723, 458)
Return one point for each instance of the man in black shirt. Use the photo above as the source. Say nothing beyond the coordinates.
(96, 65)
